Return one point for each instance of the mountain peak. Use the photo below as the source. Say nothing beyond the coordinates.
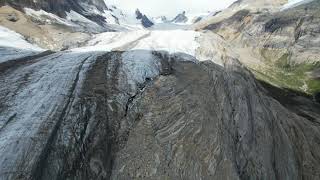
(146, 22)
(180, 18)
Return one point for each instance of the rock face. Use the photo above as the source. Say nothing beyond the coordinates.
(90, 10)
(149, 115)
(12, 17)
(180, 18)
(145, 21)
(51, 36)
(282, 47)
(317, 97)
(60, 7)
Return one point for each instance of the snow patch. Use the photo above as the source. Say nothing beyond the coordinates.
(170, 26)
(175, 41)
(126, 19)
(138, 66)
(50, 18)
(109, 41)
(294, 3)
(7, 54)
(76, 17)
(9, 38)
(194, 16)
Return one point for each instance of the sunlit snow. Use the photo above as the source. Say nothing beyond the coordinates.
(294, 3)
(13, 45)
(9, 38)
(173, 41)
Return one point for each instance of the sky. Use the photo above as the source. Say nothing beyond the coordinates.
(170, 8)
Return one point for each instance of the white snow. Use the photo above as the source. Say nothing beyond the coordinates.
(50, 18)
(193, 16)
(110, 18)
(7, 54)
(109, 41)
(13, 45)
(137, 66)
(126, 18)
(170, 26)
(159, 19)
(46, 85)
(294, 3)
(138, 61)
(76, 17)
(174, 41)
(9, 38)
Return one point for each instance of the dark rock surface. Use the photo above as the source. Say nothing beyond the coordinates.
(317, 97)
(12, 17)
(180, 18)
(60, 7)
(145, 21)
(110, 116)
(234, 19)
(293, 31)
(139, 15)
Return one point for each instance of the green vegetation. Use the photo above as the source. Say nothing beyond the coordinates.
(314, 85)
(293, 76)
(283, 61)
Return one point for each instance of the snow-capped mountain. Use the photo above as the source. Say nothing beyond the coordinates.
(90, 9)
(160, 19)
(190, 18)
(162, 102)
(180, 18)
(86, 15)
(145, 21)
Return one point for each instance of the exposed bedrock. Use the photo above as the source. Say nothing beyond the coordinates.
(281, 47)
(149, 115)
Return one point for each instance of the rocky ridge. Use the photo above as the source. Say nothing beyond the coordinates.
(91, 9)
(115, 118)
(180, 18)
(146, 22)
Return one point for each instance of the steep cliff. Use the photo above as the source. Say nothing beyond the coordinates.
(145, 21)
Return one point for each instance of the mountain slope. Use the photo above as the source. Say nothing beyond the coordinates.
(280, 47)
(91, 15)
(146, 22)
(91, 9)
(180, 18)
(172, 104)
(64, 24)
(147, 114)
(258, 4)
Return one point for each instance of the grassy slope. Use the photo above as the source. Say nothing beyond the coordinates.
(279, 71)
(292, 76)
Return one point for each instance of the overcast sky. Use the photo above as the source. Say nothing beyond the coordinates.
(170, 7)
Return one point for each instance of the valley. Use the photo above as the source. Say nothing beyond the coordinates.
(90, 91)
